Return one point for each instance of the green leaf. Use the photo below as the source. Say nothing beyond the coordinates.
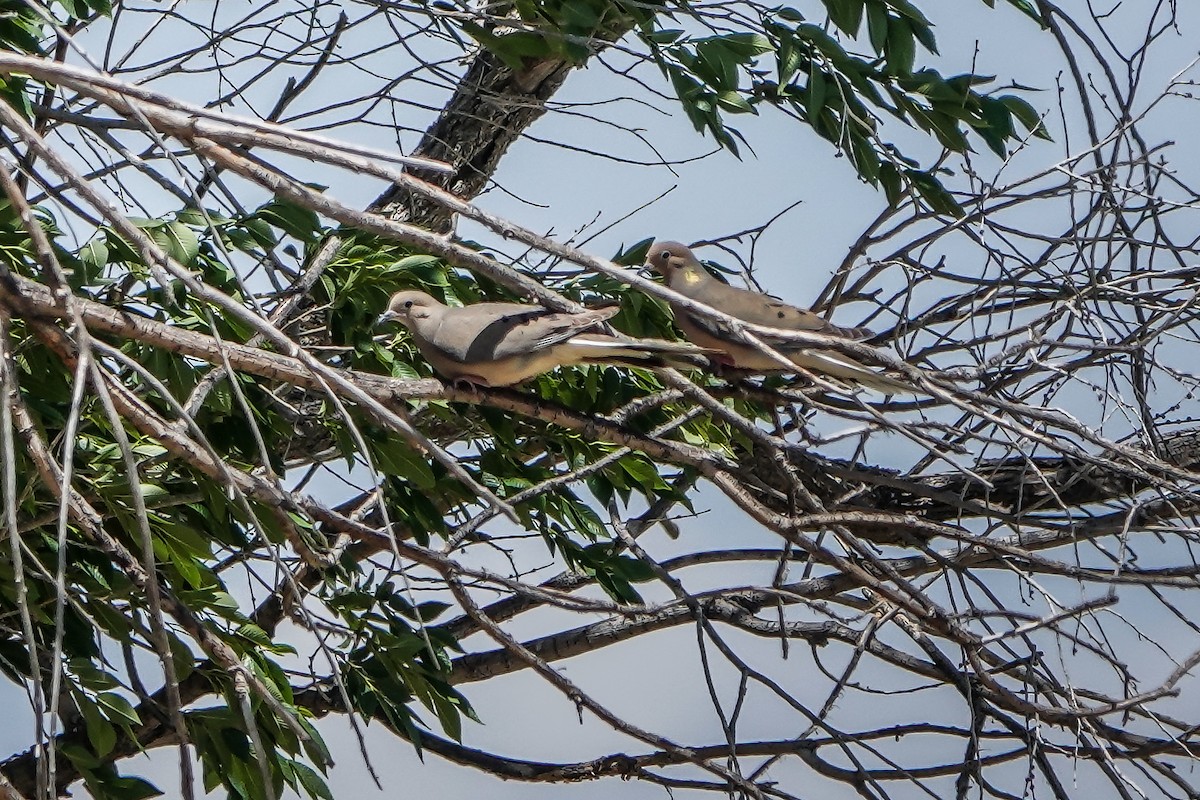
(315, 747)
(448, 715)
(814, 95)
(415, 262)
(310, 781)
(866, 160)
(94, 256)
(664, 36)
(100, 732)
(23, 36)
(431, 610)
(788, 57)
(846, 14)
(934, 194)
(393, 457)
(90, 677)
(889, 177)
(998, 125)
(84, 9)
(524, 44)
(901, 47)
(877, 25)
(260, 232)
(189, 569)
(924, 34)
(717, 64)
(118, 707)
(1026, 114)
(634, 255)
(580, 18)
(1030, 9)
(81, 756)
(907, 9)
(223, 600)
(182, 658)
(255, 635)
(644, 474)
(131, 787)
(296, 221)
(944, 127)
(732, 101)
(185, 246)
(106, 783)
(193, 216)
(176, 240)
(492, 42)
(747, 45)
(633, 569)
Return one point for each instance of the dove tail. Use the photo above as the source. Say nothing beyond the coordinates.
(857, 334)
(644, 353)
(853, 372)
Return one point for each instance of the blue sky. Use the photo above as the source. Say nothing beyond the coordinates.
(658, 682)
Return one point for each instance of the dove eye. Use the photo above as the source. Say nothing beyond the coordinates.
(408, 304)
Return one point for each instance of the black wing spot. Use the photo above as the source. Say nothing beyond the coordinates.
(483, 347)
(781, 315)
(525, 317)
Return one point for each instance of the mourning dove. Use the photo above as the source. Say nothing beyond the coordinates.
(501, 344)
(686, 275)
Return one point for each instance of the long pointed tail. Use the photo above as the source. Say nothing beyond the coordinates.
(838, 366)
(644, 353)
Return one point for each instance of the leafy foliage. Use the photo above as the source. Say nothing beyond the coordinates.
(793, 62)
(201, 532)
(391, 654)
(834, 91)
(24, 29)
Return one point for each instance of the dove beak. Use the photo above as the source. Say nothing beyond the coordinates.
(645, 270)
(385, 317)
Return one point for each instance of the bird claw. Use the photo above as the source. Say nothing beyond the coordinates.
(469, 383)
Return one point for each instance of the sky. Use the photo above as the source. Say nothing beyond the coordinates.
(659, 683)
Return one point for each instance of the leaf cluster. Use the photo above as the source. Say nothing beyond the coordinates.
(809, 68)
(204, 536)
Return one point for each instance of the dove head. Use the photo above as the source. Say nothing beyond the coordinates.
(676, 263)
(407, 307)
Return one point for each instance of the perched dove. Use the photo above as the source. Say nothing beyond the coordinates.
(685, 274)
(501, 344)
